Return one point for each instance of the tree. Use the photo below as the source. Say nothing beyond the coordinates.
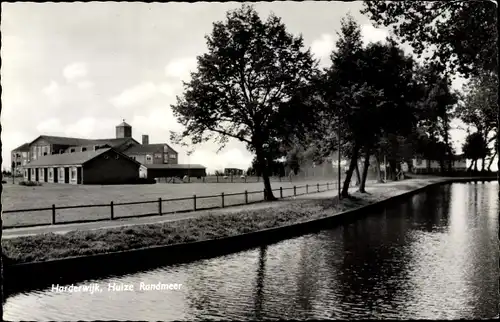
(475, 148)
(436, 106)
(340, 83)
(359, 104)
(463, 34)
(479, 108)
(250, 86)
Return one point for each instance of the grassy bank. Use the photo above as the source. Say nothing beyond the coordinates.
(213, 226)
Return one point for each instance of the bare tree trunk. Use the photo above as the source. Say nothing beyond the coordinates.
(358, 177)
(471, 165)
(491, 161)
(352, 165)
(365, 171)
(264, 167)
(475, 165)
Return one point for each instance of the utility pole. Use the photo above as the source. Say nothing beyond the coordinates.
(338, 160)
(385, 169)
(14, 168)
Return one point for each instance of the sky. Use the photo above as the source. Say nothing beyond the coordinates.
(79, 69)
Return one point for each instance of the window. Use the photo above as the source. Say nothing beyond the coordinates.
(84, 149)
(25, 172)
(51, 173)
(33, 172)
(72, 150)
(158, 156)
(61, 174)
(25, 154)
(165, 158)
(73, 173)
(45, 153)
(173, 156)
(165, 149)
(148, 158)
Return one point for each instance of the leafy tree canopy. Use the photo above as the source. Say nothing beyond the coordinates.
(252, 85)
(463, 33)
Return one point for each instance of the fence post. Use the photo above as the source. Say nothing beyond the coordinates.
(159, 206)
(222, 196)
(112, 211)
(307, 188)
(53, 214)
(294, 191)
(194, 202)
(281, 192)
(318, 186)
(246, 197)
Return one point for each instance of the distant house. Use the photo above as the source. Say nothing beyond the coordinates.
(422, 166)
(233, 171)
(153, 154)
(103, 166)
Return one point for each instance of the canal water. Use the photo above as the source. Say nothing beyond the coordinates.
(434, 256)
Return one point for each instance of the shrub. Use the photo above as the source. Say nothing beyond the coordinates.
(30, 183)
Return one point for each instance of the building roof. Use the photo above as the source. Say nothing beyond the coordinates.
(66, 158)
(76, 158)
(148, 148)
(459, 157)
(23, 148)
(60, 140)
(174, 166)
(123, 124)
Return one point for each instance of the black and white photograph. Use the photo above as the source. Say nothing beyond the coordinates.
(249, 161)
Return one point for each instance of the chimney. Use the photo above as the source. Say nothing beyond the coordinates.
(145, 139)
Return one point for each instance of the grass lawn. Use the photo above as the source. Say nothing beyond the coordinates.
(52, 246)
(21, 197)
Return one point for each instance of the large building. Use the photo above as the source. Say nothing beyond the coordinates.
(86, 157)
(20, 158)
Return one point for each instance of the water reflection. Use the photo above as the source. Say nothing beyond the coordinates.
(434, 256)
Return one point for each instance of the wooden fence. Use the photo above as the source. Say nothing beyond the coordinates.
(188, 204)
